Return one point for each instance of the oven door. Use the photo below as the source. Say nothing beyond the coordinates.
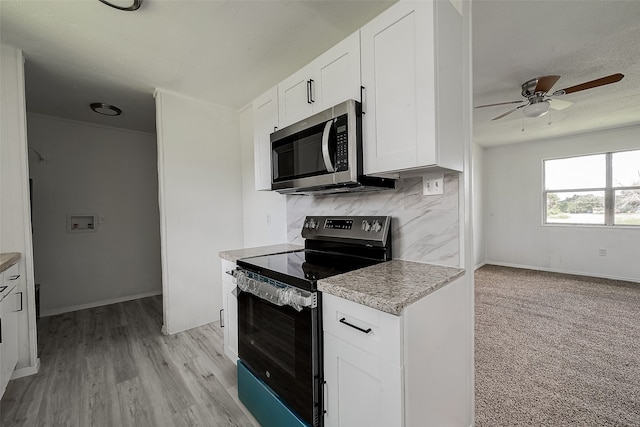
(281, 346)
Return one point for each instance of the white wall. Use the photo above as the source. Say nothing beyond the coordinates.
(200, 192)
(478, 194)
(15, 227)
(92, 169)
(513, 218)
(264, 212)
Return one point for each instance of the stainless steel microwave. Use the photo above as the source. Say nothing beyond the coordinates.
(322, 154)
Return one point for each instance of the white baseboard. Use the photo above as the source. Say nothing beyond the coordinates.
(482, 264)
(558, 270)
(26, 371)
(54, 311)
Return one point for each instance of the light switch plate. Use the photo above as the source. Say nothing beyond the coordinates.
(433, 185)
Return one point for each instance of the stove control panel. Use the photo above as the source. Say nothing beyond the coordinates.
(374, 228)
(339, 224)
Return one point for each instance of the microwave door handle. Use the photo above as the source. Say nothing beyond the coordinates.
(325, 146)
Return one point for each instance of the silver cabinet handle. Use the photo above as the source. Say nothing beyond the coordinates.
(325, 397)
(310, 99)
(15, 277)
(221, 318)
(325, 146)
(21, 306)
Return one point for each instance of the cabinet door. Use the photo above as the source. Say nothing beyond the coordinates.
(360, 389)
(230, 312)
(265, 121)
(330, 79)
(398, 77)
(230, 321)
(9, 347)
(295, 101)
(337, 74)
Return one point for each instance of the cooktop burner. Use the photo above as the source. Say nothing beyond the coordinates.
(333, 245)
(305, 267)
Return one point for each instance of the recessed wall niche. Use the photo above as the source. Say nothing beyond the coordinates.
(82, 223)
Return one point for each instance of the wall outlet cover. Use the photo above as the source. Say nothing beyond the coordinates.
(433, 185)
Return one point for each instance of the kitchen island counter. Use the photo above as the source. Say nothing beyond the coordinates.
(390, 286)
(235, 255)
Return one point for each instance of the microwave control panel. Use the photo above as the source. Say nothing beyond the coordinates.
(342, 143)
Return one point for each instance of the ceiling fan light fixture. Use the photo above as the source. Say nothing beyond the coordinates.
(537, 109)
(105, 109)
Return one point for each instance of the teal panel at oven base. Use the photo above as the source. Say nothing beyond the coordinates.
(265, 406)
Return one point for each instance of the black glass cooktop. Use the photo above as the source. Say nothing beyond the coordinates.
(305, 267)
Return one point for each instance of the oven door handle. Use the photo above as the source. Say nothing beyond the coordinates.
(325, 146)
(276, 295)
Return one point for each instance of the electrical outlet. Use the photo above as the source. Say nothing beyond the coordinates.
(602, 252)
(433, 185)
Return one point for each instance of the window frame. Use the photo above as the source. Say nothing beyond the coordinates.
(609, 192)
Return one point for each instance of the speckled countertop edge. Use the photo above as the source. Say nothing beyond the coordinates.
(390, 286)
(8, 259)
(236, 254)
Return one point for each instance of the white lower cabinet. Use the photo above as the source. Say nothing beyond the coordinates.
(411, 370)
(9, 307)
(361, 390)
(362, 365)
(229, 317)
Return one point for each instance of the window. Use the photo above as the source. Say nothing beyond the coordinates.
(599, 189)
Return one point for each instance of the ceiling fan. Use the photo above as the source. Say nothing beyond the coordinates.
(538, 100)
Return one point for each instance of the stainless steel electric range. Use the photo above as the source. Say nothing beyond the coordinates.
(280, 372)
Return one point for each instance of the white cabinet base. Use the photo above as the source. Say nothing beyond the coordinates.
(412, 370)
(229, 316)
(9, 325)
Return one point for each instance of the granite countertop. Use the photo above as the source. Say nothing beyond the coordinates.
(8, 259)
(390, 286)
(235, 255)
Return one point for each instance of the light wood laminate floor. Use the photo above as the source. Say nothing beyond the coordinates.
(111, 366)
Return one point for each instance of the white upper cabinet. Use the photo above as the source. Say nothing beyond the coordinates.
(296, 96)
(265, 122)
(412, 77)
(328, 80)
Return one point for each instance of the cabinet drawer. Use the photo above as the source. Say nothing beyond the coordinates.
(10, 276)
(9, 279)
(376, 332)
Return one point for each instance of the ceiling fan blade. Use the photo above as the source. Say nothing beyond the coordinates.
(507, 113)
(593, 83)
(500, 103)
(559, 104)
(545, 83)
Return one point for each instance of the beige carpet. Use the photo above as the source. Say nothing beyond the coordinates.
(556, 350)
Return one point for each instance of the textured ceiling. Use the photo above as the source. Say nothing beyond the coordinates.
(222, 51)
(228, 51)
(515, 41)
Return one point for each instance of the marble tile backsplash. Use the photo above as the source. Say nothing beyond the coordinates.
(424, 228)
